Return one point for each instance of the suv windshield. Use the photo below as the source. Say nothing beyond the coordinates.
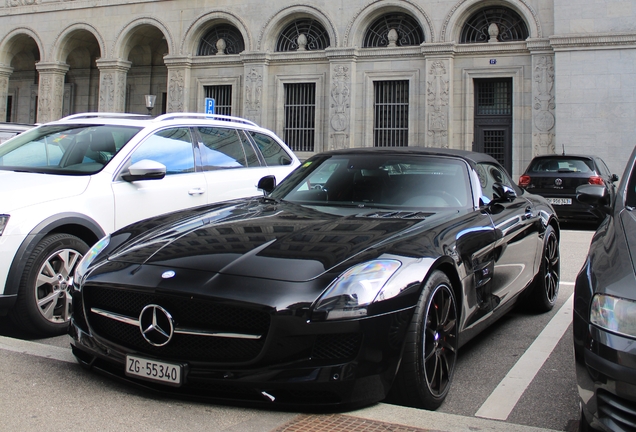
(65, 149)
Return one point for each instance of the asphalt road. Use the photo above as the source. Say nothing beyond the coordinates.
(515, 374)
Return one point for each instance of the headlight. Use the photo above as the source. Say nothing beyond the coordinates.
(349, 295)
(4, 220)
(88, 258)
(615, 314)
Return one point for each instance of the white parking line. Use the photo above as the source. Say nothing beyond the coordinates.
(503, 399)
(36, 349)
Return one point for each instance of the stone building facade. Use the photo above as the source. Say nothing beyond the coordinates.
(514, 78)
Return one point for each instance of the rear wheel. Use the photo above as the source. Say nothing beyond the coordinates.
(44, 299)
(430, 351)
(545, 287)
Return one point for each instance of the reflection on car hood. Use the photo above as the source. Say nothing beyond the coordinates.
(282, 242)
(21, 189)
(628, 222)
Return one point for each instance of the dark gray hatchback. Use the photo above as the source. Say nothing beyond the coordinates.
(556, 178)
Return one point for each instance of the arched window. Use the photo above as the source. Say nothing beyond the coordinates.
(407, 31)
(232, 41)
(303, 34)
(499, 24)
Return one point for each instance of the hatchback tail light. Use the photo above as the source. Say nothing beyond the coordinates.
(595, 180)
(524, 180)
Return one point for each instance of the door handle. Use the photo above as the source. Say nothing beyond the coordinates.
(196, 191)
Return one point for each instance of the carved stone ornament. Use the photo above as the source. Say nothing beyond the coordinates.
(175, 92)
(107, 93)
(437, 88)
(493, 32)
(220, 46)
(302, 42)
(253, 90)
(392, 36)
(544, 120)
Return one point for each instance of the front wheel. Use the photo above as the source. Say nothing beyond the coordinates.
(43, 306)
(430, 351)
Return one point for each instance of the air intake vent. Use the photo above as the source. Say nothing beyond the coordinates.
(399, 215)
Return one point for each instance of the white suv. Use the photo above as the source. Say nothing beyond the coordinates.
(65, 184)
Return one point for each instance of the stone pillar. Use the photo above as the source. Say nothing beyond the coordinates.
(439, 88)
(51, 90)
(255, 71)
(112, 84)
(543, 102)
(179, 74)
(342, 67)
(5, 73)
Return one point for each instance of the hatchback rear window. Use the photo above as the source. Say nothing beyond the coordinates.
(561, 165)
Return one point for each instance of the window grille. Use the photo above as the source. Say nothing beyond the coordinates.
(391, 114)
(408, 29)
(317, 37)
(222, 95)
(300, 116)
(494, 145)
(494, 97)
(233, 38)
(9, 108)
(510, 26)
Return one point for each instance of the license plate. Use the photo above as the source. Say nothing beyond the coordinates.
(152, 370)
(560, 201)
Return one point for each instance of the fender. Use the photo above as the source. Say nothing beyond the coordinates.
(33, 239)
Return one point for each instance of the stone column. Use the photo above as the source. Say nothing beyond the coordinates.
(439, 88)
(342, 67)
(112, 84)
(255, 71)
(5, 73)
(179, 74)
(50, 90)
(543, 102)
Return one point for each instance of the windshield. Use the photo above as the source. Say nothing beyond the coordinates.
(398, 182)
(561, 165)
(64, 149)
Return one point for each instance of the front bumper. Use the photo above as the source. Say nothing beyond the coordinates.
(317, 367)
(606, 376)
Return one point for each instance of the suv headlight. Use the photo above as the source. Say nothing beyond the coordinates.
(349, 295)
(614, 314)
(88, 258)
(4, 220)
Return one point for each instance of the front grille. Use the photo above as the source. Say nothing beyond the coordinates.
(615, 412)
(187, 312)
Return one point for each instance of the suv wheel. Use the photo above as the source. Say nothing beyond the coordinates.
(43, 306)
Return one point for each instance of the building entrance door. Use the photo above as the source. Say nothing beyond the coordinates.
(493, 119)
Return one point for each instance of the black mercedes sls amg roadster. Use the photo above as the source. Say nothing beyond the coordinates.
(358, 277)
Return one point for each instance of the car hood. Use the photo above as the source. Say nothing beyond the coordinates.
(628, 224)
(21, 189)
(282, 242)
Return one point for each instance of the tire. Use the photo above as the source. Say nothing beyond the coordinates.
(544, 290)
(430, 350)
(43, 305)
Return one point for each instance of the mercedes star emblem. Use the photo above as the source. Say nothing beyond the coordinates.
(156, 325)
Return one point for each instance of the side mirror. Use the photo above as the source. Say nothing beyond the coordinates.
(502, 193)
(145, 170)
(595, 195)
(267, 184)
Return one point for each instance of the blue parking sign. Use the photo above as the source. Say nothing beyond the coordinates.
(209, 106)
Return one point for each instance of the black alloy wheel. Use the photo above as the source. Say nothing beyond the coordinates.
(430, 352)
(545, 287)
